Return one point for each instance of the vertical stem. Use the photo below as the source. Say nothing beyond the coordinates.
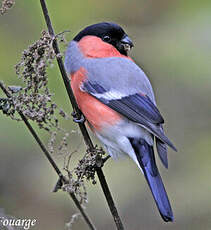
(82, 127)
(109, 199)
(65, 78)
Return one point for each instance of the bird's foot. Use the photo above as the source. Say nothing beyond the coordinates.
(101, 161)
(77, 119)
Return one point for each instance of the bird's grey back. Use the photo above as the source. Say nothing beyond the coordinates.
(112, 73)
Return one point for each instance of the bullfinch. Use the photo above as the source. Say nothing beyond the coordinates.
(118, 102)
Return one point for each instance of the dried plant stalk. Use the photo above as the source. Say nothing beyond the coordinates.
(6, 5)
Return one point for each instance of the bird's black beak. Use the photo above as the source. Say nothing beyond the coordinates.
(127, 43)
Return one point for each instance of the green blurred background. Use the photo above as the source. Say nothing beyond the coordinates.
(172, 44)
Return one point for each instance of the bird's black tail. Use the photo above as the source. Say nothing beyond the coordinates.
(145, 155)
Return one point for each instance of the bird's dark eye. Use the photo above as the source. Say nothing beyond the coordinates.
(106, 38)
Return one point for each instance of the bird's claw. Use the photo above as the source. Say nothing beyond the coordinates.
(76, 119)
(101, 161)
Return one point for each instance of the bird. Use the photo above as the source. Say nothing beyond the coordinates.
(117, 100)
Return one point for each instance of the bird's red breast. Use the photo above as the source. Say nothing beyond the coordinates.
(97, 114)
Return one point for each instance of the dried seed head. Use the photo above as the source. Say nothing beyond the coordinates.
(35, 99)
(6, 5)
(85, 170)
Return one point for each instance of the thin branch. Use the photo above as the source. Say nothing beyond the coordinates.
(82, 127)
(64, 75)
(109, 199)
(50, 159)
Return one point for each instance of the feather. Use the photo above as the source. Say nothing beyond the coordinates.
(145, 155)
